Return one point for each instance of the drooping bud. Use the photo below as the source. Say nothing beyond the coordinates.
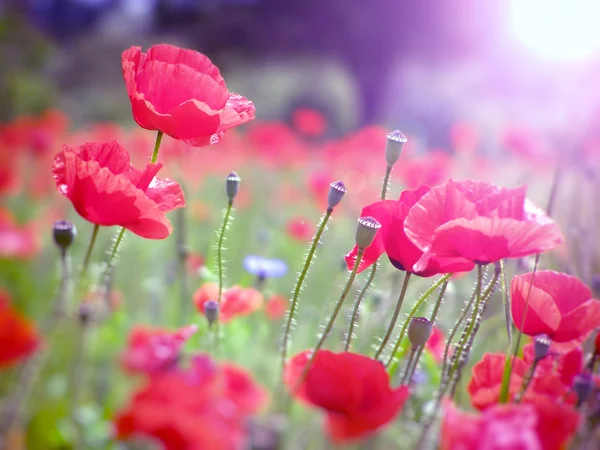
(393, 148)
(337, 189)
(64, 233)
(541, 346)
(366, 231)
(232, 185)
(583, 387)
(419, 330)
(211, 311)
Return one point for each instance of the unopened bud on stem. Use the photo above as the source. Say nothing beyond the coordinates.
(64, 233)
(366, 231)
(232, 185)
(211, 311)
(541, 346)
(419, 330)
(337, 189)
(393, 148)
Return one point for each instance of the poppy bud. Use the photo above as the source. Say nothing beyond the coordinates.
(419, 330)
(393, 148)
(211, 311)
(64, 233)
(366, 231)
(232, 185)
(337, 189)
(85, 313)
(541, 346)
(583, 387)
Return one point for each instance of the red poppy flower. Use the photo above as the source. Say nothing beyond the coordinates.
(150, 350)
(18, 336)
(560, 306)
(309, 122)
(203, 407)
(566, 365)
(478, 222)
(557, 421)
(392, 240)
(352, 389)
(107, 190)
(236, 301)
(181, 93)
(300, 229)
(486, 381)
(16, 241)
(502, 427)
(276, 307)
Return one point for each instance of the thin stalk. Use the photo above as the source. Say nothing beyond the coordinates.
(414, 366)
(412, 313)
(473, 320)
(527, 381)
(159, 136)
(438, 302)
(390, 329)
(12, 412)
(506, 301)
(76, 382)
(357, 303)
(413, 352)
(384, 190)
(386, 182)
(88, 253)
(336, 310)
(299, 284)
(220, 249)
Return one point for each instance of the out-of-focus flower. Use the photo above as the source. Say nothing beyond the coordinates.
(475, 221)
(37, 134)
(106, 189)
(276, 307)
(464, 138)
(429, 169)
(236, 301)
(181, 93)
(18, 336)
(502, 427)
(203, 407)
(309, 122)
(264, 267)
(194, 262)
(392, 240)
(436, 344)
(151, 350)
(16, 241)
(353, 390)
(300, 229)
(560, 306)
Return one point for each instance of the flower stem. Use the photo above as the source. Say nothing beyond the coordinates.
(159, 136)
(357, 303)
(334, 315)
(386, 182)
(220, 249)
(88, 253)
(299, 284)
(12, 412)
(411, 357)
(390, 329)
(419, 302)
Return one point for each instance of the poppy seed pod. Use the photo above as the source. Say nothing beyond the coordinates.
(419, 330)
(211, 311)
(366, 231)
(541, 346)
(337, 189)
(232, 185)
(393, 147)
(64, 233)
(582, 386)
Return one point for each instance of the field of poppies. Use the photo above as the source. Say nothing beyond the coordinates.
(206, 281)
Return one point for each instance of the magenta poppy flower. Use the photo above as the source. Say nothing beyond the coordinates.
(181, 93)
(393, 241)
(478, 222)
(560, 306)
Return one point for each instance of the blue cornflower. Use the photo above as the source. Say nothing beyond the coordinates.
(264, 268)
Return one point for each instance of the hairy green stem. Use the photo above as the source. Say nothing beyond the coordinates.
(333, 316)
(390, 329)
(357, 303)
(412, 313)
(299, 284)
(220, 249)
(88, 253)
(386, 182)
